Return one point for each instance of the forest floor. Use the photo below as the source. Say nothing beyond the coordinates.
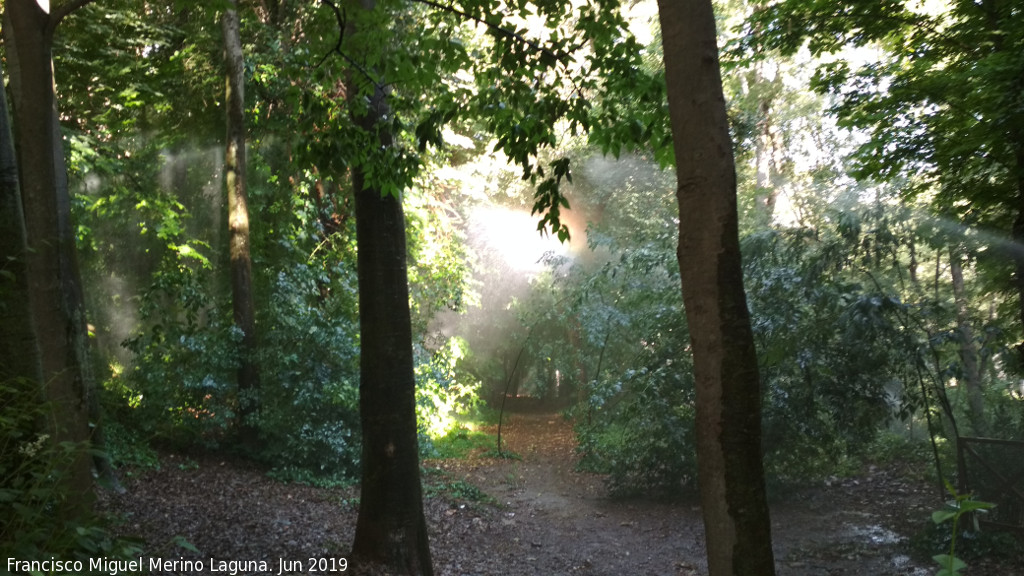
(546, 518)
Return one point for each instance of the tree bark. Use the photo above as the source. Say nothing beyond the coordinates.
(18, 344)
(730, 469)
(244, 309)
(968, 348)
(1017, 234)
(391, 531)
(54, 295)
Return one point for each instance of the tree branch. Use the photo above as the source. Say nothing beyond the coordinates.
(63, 10)
(339, 16)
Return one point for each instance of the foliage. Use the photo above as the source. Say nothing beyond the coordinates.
(823, 396)
(127, 448)
(895, 448)
(443, 389)
(460, 442)
(642, 433)
(955, 509)
(637, 420)
(31, 467)
(183, 363)
(846, 332)
(455, 490)
(935, 102)
(974, 546)
(310, 414)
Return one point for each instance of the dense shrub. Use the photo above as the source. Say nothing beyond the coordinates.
(831, 353)
(181, 380)
(32, 489)
(640, 431)
(445, 391)
(309, 417)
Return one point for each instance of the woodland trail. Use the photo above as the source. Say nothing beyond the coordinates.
(549, 519)
(560, 520)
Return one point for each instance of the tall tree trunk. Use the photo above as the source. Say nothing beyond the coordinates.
(730, 469)
(1017, 235)
(766, 147)
(238, 225)
(18, 345)
(968, 347)
(51, 270)
(391, 530)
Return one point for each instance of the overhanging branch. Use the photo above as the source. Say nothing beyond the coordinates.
(63, 10)
(339, 16)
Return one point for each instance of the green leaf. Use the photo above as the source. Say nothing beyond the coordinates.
(181, 542)
(975, 506)
(951, 565)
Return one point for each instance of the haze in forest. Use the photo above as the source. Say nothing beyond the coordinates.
(342, 243)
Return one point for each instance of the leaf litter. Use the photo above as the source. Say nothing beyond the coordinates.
(536, 515)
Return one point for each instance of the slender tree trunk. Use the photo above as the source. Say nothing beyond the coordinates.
(912, 267)
(765, 151)
(730, 469)
(767, 194)
(391, 530)
(1018, 252)
(968, 348)
(54, 288)
(238, 225)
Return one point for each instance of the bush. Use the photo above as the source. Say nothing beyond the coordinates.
(640, 431)
(444, 390)
(309, 416)
(32, 488)
(181, 382)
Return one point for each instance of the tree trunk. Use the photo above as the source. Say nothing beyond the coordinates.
(54, 288)
(238, 225)
(766, 146)
(912, 267)
(730, 469)
(968, 348)
(1017, 234)
(18, 345)
(391, 530)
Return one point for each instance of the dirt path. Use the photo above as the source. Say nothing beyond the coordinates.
(550, 519)
(560, 521)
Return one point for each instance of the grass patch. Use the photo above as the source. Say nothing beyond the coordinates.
(457, 491)
(438, 483)
(461, 443)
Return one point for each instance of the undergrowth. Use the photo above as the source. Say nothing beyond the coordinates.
(33, 490)
(460, 443)
(440, 484)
